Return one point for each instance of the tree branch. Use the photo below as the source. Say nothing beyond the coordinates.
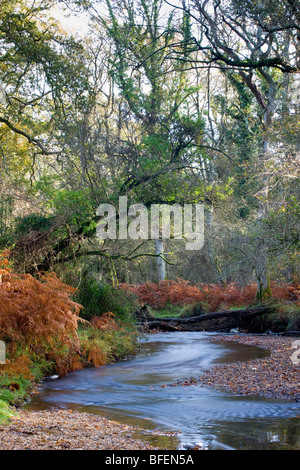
(31, 140)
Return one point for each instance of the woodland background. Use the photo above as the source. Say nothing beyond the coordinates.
(191, 102)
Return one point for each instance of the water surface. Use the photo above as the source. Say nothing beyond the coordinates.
(140, 391)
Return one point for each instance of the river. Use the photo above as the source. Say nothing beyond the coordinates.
(141, 390)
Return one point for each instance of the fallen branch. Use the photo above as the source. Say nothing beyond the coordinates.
(161, 325)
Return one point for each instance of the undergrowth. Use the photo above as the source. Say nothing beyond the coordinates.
(44, 334)
(6, 412)
(208, 297)
(99, 297)
(96, 347)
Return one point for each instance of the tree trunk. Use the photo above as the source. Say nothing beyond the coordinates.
(267, 106)
(160, 263)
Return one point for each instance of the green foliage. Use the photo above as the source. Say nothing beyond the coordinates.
(98, 297)
(168, 311)
(14, 388)
(6, 412)
(74, 207)
(158, 98)
(32, 222)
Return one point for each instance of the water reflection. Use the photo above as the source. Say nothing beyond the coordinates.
(141, 391)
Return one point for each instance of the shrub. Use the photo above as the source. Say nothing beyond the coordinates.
(98, 297)
(33, 222)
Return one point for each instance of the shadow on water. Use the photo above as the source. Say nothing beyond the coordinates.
(140, 391)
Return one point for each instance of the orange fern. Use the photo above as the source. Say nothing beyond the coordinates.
(32, 310)
(105, 322)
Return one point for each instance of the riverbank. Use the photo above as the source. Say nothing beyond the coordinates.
(276, 376)
(92, 347)
(67, 430)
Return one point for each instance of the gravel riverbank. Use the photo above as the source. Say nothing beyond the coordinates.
(67, 430)
(275, 376)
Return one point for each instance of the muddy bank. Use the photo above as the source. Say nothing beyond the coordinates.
(275, 376)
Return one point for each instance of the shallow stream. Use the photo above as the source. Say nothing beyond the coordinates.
(141, 391)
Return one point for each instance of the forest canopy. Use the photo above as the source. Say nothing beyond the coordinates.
(163, 102)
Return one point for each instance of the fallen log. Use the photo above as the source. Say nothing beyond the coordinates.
(222, 314)
(181, 323)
